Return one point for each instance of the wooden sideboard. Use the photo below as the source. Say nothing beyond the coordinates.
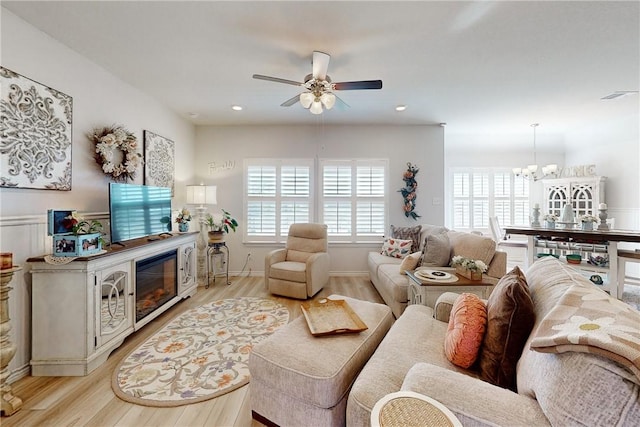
(84, 309)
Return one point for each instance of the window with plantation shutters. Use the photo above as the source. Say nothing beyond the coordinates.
(278, 194)
(353, 199)
(479, 194)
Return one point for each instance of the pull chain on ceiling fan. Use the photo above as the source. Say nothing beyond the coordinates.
(319, 86)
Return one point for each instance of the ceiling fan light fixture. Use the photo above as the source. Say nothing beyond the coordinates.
(328, 99)
(316, 107)
(306, 99)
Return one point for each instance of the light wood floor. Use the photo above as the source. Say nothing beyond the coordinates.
(89, 401)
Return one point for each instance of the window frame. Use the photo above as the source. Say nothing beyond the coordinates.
(317, 199)
(354, 198)
(491, 199)
(278, 198)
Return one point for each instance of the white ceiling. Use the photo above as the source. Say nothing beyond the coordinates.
(481, 67)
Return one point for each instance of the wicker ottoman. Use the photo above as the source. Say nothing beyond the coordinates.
(301, 380)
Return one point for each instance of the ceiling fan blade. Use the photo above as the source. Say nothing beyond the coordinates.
(277, 80)
(340, 104)
(290, 102)
(364, 84)
(320, 65)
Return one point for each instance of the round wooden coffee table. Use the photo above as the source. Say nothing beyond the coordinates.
(407, 408)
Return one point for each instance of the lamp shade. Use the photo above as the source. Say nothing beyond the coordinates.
(316, 107)
(201, 195)
(306, 98)
(328, 99)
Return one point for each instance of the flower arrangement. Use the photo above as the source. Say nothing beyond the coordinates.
(116, 152)
(78, 225)
(409, 191)
(183, 216)
(469, 264)
(550, 218)
(588, 218)
(225, 224)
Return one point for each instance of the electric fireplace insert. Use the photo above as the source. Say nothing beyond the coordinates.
(156, 282)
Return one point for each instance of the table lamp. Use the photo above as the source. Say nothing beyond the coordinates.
(201, 195)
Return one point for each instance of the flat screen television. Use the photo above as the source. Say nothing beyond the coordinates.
(138, 211)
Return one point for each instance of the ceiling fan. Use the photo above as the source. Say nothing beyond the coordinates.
(319, 87)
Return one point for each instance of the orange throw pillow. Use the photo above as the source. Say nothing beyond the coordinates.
(467, 324)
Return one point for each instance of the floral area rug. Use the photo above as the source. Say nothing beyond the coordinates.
(201, 354)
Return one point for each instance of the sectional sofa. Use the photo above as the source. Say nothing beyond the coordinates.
(554, 385)
(393, 286)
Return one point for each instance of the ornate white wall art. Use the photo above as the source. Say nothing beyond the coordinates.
(158, 160)
(35, 134)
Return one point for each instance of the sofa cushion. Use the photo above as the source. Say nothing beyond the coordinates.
(410, 262)
(291, 271)
(408, 233)
(588, 320)
(415, 337)
(396, 248)
(436, 250)
(395, 284)
(465, 332)
(510, 318)
(472, 246)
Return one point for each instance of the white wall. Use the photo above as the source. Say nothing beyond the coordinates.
(99, 99)
(497, 151)
(420, 145)
(614, 147)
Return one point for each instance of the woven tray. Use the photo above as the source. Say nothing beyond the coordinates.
(331, 317)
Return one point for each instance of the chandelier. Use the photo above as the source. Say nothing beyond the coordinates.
(319, 95)
(531, 171)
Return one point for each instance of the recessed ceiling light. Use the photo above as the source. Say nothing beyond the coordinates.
(401, 107)
(193, 115)
(236, 108)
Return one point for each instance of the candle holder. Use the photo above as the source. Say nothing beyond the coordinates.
(10, 403)
(536, 217)
(603, 226)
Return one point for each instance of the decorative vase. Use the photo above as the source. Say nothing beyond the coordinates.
(183, 227)
(550, 224)
(587, 226)
(216, 236)
(469, 274)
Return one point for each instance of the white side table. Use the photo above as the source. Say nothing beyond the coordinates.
(10, 403)
(408, 408)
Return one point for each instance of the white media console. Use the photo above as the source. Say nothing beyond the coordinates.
(84, 309)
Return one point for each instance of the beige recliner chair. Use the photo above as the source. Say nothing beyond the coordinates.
(301, 269)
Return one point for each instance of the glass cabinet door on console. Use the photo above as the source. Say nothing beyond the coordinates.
(187, 270)
(114, 300)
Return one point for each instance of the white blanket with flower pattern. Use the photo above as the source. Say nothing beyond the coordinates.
(588, 320)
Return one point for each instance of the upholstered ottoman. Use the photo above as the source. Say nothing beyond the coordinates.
(301, 380)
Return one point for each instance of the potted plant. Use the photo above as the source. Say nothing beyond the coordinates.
(183, 218)
(550, 220)
(472, 269)
(217, 228)
(587, 222)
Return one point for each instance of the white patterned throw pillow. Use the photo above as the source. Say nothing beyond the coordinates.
(396, 248)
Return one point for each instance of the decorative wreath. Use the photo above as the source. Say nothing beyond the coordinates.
(409, 191)
(116, 152)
